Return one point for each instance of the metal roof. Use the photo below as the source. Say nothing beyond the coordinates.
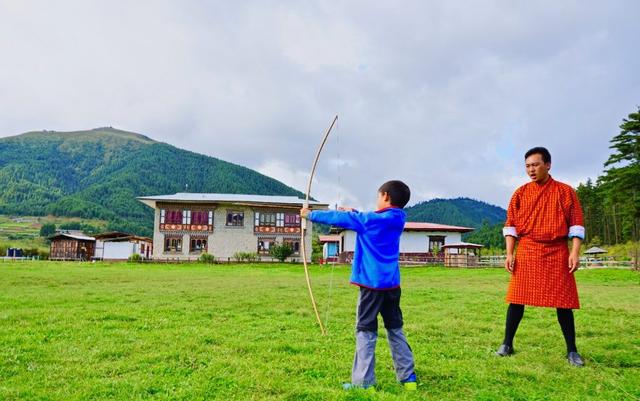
(595, 250)
(420, 226)
(226, 198)
(74, 236)
(329, 238)
(462, 245)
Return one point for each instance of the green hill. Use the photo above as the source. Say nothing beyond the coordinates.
(458, 212)
(99, 173)
(485, 218)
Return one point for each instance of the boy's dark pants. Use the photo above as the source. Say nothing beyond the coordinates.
(370, 304)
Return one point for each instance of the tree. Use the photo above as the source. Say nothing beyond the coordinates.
(281, 251)
(47, 230)
(621, 180)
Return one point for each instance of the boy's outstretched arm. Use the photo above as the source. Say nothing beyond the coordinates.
(351, 220)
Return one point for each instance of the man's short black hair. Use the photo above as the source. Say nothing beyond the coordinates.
(546, 156)
(398, 191)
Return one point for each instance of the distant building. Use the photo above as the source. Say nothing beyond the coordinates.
(420, 242)
(121, 246)
(72, 245)
(188, 224)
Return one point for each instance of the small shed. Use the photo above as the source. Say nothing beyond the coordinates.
(462, 254)
(595, 251)
(71, 246)
(330, 247)
(117, 245)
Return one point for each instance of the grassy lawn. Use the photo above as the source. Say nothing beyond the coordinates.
(193, 332)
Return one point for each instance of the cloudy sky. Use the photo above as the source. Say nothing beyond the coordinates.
(445, 95)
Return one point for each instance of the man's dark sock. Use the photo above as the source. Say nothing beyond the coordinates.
(514, 316)
(565, 318)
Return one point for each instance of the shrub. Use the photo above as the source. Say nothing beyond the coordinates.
(47, 230)
(207, 258)
(281, 251)
(135, 258)
(245, 257)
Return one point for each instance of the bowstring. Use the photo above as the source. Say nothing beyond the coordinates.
(333, 263)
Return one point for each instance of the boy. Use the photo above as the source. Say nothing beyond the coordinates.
(376, 271)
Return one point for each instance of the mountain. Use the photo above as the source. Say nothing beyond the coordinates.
(99, 173)
(487, 219)
(458, 212)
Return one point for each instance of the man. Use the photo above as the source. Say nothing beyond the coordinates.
(541, 216)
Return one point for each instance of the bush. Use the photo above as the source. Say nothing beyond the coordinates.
(245, 257)
(135, 258)
(207, 258)
(47, 230)
(281, 251)
(30, 252)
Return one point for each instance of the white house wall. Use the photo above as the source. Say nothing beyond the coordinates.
(118, 250)
(410, 242)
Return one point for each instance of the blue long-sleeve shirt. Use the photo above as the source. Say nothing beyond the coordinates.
(375, 260)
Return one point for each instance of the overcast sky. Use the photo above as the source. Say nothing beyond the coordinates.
(446, 96)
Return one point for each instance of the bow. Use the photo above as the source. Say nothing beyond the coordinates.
(304, 227)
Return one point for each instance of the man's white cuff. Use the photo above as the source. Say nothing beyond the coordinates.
(576, 231)
(509, 231)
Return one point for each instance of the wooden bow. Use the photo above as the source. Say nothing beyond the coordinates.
(304, 227)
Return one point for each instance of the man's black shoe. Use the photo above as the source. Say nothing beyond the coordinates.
(505, 350)
(575, 359)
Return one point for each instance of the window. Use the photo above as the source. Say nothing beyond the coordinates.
(264, 244)
(186, 217)
(266, 219)
(162, 214)
(293, 244)
(200, 217)
(279, 219)
(210, 217)
(173, 217)
(198, 244)
(292, 220)
(173, 244)
(436, 242)
(235, 219)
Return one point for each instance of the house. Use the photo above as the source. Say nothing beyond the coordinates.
(71, 245)
(420, 242)
(189, 224)
(330, 247)
(120, 246)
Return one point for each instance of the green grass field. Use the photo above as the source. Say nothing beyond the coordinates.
(237, 332)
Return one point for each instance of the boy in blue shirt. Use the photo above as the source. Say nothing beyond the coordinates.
(376, 271)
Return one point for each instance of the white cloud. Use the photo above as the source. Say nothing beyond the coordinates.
(444, 95)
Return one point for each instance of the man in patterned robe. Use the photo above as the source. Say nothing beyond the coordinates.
(542, 216)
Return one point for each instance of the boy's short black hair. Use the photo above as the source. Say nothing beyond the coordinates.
(546, 156)
(398, 191)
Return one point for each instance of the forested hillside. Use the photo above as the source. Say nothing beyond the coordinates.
(611, 204)
(459, 212)
(99, 173)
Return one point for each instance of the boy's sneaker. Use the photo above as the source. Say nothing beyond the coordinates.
(350, 386)
(411, 383)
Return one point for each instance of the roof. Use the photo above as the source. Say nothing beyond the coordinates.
(253, 200)
(120, 236)
(462, 245)
(329, 238)
(419, 226)
(595, 250)
(425, 227)
(72, 236)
